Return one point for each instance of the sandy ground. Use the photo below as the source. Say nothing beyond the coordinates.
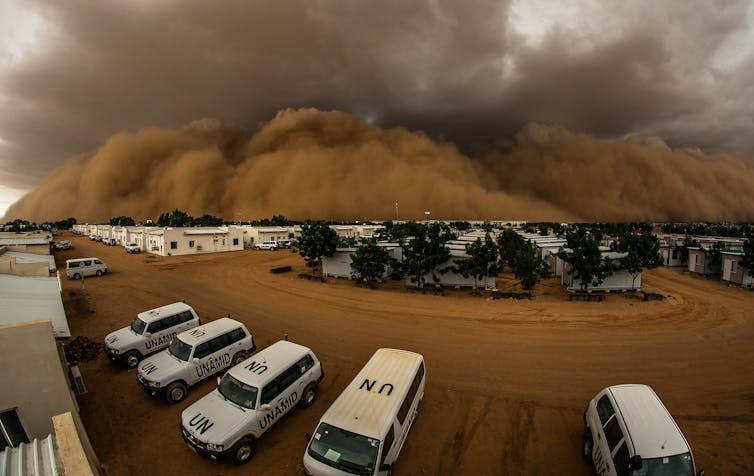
(507, 380)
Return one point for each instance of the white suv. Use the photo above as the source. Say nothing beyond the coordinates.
(249, 399)
(193, 356)
(267, 245)
(149, 332)
(132, 248)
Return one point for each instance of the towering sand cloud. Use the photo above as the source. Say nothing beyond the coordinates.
(308, 163)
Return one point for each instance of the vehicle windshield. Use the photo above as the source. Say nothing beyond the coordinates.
(679, 465)
(346, 451)
(138, 326)
(180, 350)
(238, 392)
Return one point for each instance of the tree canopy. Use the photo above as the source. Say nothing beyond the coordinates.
(747, 260)
(585, 258)
(482, 260)
(425, 252)
(369, 262)
(122, 221)
(317, 240)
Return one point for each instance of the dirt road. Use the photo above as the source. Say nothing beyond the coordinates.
(507, 381)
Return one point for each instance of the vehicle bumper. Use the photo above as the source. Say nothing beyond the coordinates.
(111, 355)
(199, 447)
(150, 390)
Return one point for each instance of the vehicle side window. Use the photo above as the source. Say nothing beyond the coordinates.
(75, 264)
(185, 316)
(389, 438)
(403, 411)
(270, 391)
(218, 343)
(613, 433)
(97, 261)
(169, 322)
(202, 350)
(156, 326)
(236, 335)
(288, 377)
(86, 263)
(604, 409)
(621, 460)
(305, 364)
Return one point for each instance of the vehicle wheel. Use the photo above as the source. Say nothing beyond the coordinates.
(238, 358)
(77, 276)
(588, 445)
(309, 395)
(176, 392)
(243, 451)
(99, 272)
(131, 359)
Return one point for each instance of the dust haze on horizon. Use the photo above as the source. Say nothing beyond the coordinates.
(308, 163)
(517, 108)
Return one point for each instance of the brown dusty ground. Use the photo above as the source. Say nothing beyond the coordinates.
(507, 380)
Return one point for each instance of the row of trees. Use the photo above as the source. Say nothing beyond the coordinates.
(19, 225)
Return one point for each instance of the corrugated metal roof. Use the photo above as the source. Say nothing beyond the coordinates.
(24, 241)
(32, 258)
(38, 458)
(24, 298)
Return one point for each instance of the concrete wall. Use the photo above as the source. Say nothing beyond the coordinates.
(8, 265)
(671, 256)
(34, 381)
(189, 244)
(35, 249)
(620, 280)
(73, 455)
(733, 272)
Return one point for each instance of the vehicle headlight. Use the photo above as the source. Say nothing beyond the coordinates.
(114, 351)
(214, 447)
(153, 384)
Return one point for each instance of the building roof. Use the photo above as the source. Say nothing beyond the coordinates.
(209, 330)
(366, 411)
(36, 240)
(24, 298)
(733, 252)
(280, 355)
(653, 431)
(204, 231)
(38, 458)
(32, 258)
(168, 310)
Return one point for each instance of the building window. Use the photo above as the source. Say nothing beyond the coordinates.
(173, 245)
(191, 243)
(235, 241)
(12, 432)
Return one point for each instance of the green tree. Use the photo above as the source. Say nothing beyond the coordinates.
(482, 260)
(369, 262)
(528, 266)
(510, 243)
(207, 220)
(347, 242)
(176, 218)
(425, 252)
(317, 240)
(585, 258)
(642, 251)
(747, 260)
(122, 221)
(460, 225)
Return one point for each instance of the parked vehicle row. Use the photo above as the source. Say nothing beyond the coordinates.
(627, 429)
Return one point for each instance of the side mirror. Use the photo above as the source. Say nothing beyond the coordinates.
(218, 380)
(386, 467)
(308, 437)
(147, 335)
(265, 407)
(635, 462)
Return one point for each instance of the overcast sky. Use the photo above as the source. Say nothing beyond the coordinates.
(470, 72)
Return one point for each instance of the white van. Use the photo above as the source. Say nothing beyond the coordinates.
(193, 356)
(249, 399)
(82, 267)
(151, 331)
(628, 431)
(364, 430)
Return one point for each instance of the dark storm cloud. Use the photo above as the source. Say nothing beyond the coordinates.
(463, 72)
